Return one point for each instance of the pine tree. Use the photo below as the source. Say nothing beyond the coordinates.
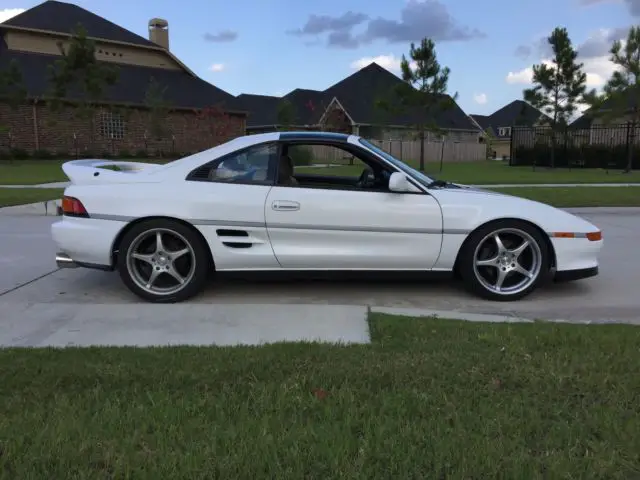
(423, 92)
(12, 89)
(286, 115)
(79, 71)
(558, 87)
(621, 93)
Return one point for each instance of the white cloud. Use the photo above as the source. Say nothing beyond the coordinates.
(593, 53)
(217, 67)
(598, 70)
(390, 62)
(480, 98)
(8, 13)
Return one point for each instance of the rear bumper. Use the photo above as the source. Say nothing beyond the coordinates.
(65, 261)
(85, 242)
(579, 274)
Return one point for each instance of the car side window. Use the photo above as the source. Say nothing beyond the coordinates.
(254, 165)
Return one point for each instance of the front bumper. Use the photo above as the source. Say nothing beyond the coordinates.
(578, 274)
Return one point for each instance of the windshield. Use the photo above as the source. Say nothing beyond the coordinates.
(419, 176)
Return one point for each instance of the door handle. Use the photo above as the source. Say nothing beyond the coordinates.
(285, 205)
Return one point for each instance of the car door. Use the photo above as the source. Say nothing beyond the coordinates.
(226, 200)
(321, 227)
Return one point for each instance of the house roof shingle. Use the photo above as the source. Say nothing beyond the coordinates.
(63, 17)
(358, 94)
(182, 89)
(517, 112)
(262, 109)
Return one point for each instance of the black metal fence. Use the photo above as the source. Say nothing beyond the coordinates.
(600, 146)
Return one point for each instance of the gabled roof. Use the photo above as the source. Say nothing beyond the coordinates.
(63, 17)
(182, 89)
(482, 120)
(358, 95)
(308, 105)
(262, 109)
(517, 112)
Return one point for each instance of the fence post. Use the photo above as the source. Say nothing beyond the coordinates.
(511, 148)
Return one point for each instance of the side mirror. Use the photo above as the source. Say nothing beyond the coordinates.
(398, 183)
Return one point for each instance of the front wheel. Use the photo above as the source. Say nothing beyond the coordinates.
(505, 260)
(163, 261)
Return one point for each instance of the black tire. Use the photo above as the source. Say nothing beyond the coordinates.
(201, 270)
(467, 258)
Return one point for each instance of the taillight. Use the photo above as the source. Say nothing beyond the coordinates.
(72, 207)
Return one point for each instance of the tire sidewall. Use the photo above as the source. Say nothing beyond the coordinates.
(468, 253)
(200, 249)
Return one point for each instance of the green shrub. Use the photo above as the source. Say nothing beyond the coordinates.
(42, 155)
(124, 153)
(141, 153)
(19, 154)
(587, 156)
(301, 155)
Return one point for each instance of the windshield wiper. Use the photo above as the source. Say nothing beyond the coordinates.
(439, 184)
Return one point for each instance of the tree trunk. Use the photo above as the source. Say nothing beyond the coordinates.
(422, 150)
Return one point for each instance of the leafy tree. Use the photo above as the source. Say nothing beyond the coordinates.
(423, 92)
(159, 109)
(621, 94)
(558, 87)
(12, 89)
(286, 114)
(79, 77)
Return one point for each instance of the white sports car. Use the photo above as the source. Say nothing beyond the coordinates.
(247, 206)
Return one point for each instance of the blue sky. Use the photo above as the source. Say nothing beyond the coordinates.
(252, 45)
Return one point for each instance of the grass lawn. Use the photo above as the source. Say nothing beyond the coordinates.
(579, 196)
(31, 172)
(35, 172)
(492, 173)
(428, 399)
(20, 196)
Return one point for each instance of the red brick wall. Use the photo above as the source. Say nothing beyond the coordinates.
(38, 128)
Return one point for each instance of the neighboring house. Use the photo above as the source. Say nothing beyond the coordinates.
(32, 38)
(595, 129)
(350, 106)
(499, 125)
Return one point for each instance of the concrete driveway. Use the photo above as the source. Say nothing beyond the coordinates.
(31, 285)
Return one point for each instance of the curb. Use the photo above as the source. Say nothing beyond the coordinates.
(49, 208)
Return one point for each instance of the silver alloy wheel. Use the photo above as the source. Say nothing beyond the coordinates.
(507, 261)
(161, 261)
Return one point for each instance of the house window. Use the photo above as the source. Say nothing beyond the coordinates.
(111, 125)
(504, 131)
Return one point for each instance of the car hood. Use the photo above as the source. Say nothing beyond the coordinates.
(473, 206)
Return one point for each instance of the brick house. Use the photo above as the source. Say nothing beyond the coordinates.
(349, 106)
(498, 126)
(201, 115)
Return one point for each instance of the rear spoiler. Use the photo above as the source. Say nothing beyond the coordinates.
(100, 171)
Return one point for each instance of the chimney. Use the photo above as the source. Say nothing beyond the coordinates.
(159, 32)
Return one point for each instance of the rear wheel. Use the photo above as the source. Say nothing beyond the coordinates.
(163, 261)
(505, 260)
